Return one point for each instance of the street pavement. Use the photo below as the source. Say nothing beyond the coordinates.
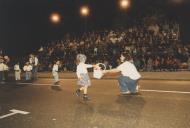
(161, 104)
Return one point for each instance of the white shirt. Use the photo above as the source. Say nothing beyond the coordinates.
(27, 68)
(3, 67)
(129, 69)
(16, 67)
(33, 61)
(82, 68)
(55, 68)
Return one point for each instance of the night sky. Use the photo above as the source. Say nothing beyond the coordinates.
(25, 24)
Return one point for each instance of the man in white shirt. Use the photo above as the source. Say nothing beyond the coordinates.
(129, 75)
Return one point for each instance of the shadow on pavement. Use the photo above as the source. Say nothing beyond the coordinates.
(12, 86)
(56, 88)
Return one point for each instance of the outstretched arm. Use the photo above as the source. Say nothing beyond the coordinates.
(90, 66)
(115, 70)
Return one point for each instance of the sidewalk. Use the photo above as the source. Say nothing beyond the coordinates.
(179, 76)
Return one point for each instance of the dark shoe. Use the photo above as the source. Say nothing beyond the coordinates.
(85, 97)
(56, 84)
(136, 93)
(77, 92)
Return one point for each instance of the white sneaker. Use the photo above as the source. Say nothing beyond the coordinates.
(137, 88)
(127, 92)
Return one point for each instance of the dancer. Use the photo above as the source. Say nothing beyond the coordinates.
(83, 77)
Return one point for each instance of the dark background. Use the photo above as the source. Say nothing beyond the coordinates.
(25, 24)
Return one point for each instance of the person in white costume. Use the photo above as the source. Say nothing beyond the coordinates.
(82, 75)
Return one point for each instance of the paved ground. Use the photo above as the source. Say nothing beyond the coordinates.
(163, 104)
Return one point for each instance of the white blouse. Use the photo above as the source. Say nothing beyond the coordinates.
(55, 68)
(129, 69)
(82, 69)
(27, 68)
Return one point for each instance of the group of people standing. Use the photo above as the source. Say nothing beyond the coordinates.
(30, 69)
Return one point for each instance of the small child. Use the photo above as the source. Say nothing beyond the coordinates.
(28, 71)
(83, 77)
(55, 73)
(17, 71)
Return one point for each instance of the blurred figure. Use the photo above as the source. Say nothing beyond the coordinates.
(6, 69)
(55, 73)
(28, 71)
(33, 60)
(188, 63)
(17, 72)
(2, 68)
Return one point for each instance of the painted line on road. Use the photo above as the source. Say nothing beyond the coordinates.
(33, 84)
(163, 91)
(14, 112)
(142, 90)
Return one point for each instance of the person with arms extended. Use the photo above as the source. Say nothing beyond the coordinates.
(82, 75)
(128, 81)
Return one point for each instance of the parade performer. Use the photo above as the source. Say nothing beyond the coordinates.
(128, 81)
(17, 72)
(55, 73)
(82, 75)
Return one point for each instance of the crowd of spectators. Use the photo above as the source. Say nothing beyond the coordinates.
(153, 47)
(153, 42)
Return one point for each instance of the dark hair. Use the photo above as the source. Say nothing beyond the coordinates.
(126, 55)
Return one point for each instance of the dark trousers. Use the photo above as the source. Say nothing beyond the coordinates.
(126, 84)
(2, 76)
(34, 72)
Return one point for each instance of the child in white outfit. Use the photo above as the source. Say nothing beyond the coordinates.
(17, 71)
(55, 73)
(82, 75)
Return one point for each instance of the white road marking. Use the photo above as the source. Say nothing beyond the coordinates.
(163, 91)
(14, 111)
(142, 90)
(34, 84)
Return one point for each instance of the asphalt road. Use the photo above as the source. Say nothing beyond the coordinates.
(162, 104)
